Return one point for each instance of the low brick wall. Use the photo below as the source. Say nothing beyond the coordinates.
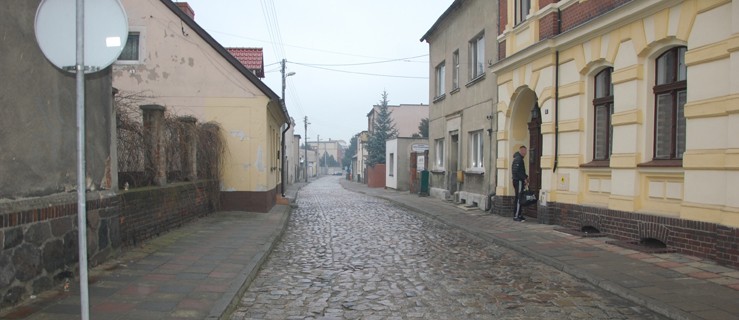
(38, 237)
(701, 239)
(147, 212)
(376, 176)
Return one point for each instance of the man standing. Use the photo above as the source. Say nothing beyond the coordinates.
(520, 180)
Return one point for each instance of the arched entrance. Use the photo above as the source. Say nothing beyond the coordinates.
(525, 129)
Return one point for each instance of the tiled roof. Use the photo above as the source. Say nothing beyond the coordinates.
(251, 58)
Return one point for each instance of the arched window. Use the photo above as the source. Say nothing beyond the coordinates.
(670, 94)
(603, 109)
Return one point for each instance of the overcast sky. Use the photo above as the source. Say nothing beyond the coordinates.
(333, 47)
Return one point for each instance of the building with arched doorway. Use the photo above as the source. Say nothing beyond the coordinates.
(628, 109)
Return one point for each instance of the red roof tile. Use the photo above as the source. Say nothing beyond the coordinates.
(251, 58)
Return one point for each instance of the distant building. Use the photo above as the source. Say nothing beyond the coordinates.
(406, 118)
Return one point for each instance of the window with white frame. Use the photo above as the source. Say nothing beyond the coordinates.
(440, 75)
(670, 94)
(439, 150)
(455, 71)
(522, 10)
(476, 149)
(603, 110)
(391, 165)
(131, 51)
(477, 56)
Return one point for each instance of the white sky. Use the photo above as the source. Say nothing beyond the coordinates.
(328, 33)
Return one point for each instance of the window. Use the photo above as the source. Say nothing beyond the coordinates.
(440, 75)
(439, 149)
(476, 149)
(391, 165)
(455, 71)
(522, 10)
(131, 50)
(603, 107)
(670, 93)
(477, 56)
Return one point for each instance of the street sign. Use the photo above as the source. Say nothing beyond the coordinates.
(105, 29)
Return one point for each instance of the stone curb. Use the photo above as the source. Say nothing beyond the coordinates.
(604, 284)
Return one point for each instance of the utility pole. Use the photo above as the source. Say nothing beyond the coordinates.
(318, 149)
(283, 155)
(306, 148)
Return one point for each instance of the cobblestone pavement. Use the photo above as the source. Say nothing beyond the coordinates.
(351, 256)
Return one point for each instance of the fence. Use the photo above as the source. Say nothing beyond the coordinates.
(156, 147)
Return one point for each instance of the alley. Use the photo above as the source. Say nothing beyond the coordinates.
(351, 256)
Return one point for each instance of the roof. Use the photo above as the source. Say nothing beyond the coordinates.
(251, 58)
(185, 18)
(454, 6)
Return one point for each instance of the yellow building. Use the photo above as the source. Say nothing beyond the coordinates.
(173, 62)
(630, 110)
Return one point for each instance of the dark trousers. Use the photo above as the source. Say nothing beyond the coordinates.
(518, 186)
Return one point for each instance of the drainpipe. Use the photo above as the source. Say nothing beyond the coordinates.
(556, 96)
(493, 154)
(284, 156)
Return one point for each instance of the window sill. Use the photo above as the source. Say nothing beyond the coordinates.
(438, 171)
(454, 91)
(439, 98)
(475, 80)
(597, 164)
(475, 171)
(673, 163)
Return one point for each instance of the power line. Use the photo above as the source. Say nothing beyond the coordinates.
(294, 46)
(363, 63)
(361, 73)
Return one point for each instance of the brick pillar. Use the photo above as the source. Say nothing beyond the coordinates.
(155, 156)
(190, 148)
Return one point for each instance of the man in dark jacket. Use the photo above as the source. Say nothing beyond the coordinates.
(520, 180)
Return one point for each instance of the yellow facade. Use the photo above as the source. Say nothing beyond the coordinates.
(629, 39)
(183, 69)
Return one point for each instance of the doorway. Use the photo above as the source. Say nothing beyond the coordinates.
(535, 146)
(453, 162)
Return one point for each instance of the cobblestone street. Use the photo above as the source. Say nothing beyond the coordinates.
(350, 256)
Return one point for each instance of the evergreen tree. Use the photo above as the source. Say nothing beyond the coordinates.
(383, 130)
(423, 128)
(346, 161)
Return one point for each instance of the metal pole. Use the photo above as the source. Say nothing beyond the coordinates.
(318, 150)
(306, 149)
(81, 185)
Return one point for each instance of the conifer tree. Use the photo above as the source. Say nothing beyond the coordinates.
(383, 129)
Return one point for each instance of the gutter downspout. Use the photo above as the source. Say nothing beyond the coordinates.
(284, 157)
(556, 96)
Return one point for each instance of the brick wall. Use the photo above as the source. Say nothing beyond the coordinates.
(38, 237)
(548, 26)
(582, 12)
(700, 239)
(502, 16)
(144, 214)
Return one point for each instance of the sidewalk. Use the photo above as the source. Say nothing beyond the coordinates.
(198, 271)
(674, 285)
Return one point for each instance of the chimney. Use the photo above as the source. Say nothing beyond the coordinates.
(185, 7)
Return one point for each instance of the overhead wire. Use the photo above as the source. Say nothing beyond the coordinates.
(360, 73)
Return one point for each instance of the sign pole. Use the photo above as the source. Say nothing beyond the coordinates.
(81, 181)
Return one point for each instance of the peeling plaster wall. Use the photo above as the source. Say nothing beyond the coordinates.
(181, 71)
(38, 131)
